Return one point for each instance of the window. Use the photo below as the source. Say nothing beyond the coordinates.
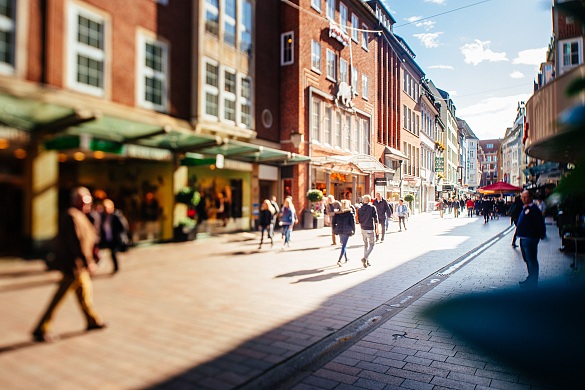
(229, 23)
(365, 136)
(570, 53)
(331, 9)
(365, 37)
(87, 54)
(246, 103)
(354, 147)
(7, 33)
(354, 80)
(343, 17)
(316, 56)
(316, 4)
(327, 122)
(331, 66)
(355, 25)
(343, 71)
(316, 119)
(489, 146)
(153, 83)
(365, 86)
(212, 17)
(338, 129)
(246, 28)
(287, 55)
(348, 131)
(211, 89)
(229, 96)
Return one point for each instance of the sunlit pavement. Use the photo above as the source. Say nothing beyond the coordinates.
(219, 313)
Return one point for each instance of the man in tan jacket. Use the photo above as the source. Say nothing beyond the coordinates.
(75, 246)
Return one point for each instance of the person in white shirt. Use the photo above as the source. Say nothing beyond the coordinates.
(403, 212)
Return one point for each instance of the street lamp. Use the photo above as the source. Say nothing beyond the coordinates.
(296, 138)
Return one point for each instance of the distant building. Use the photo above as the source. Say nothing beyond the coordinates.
(490, 161)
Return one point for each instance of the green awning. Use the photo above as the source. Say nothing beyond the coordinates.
(65, 128)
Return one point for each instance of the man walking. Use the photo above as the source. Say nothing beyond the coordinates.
(385, 211)
(275, 215)
(368, 219)
(402, 211)
(530, 229)
(333, 206)
(76, 243)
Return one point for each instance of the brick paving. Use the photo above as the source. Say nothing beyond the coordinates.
(217, 313)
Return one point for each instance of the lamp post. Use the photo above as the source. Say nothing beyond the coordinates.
(296, 139)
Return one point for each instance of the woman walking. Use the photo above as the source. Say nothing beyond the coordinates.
(288, 217)
(343, 224)
(266, 220)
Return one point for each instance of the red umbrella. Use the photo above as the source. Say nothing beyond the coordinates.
(500, 187)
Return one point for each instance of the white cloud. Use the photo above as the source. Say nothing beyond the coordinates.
(479, 51)
(413, 19)
(435, 1)
(490, 118)
(531, 57)
(448, 67)
(517, 75)
(429, 40)
(427, 24)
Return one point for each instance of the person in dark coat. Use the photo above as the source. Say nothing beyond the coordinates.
(113, 231)
(343, 224)
(74, 251)
(486, 209)
(530, 230)
(266, 220)
(514, 213)
(385, 211)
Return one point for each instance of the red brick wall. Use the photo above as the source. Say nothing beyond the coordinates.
(172, 23)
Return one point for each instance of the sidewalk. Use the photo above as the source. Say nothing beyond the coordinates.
(219, 314)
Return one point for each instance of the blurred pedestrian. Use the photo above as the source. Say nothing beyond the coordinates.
(403, 213)
(343, 223)
(385, 212)
(74, 251)
(332, 207)
(530, 230)
(288, 217)
(456, 206)
(514, 213)
(368, 219)
(441, 207)
(266, 219)
(275, 215)
(470, 204)
(114, 231)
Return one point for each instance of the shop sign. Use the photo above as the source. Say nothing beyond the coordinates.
(143, 152)
(439, 164)
(106, 146)
(13, 134)
(381, 181)
(237, 165)
(336, 32)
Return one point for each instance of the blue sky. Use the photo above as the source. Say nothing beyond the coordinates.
(485, 53)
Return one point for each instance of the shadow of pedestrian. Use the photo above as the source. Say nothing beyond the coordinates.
(332, 275)
(32, 343)
(306, 272)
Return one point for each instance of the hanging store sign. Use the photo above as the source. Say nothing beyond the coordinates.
(137, 151)
(439, 164)
(336, 32)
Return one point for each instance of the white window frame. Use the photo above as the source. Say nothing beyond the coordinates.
(144, 72)
(338, 129)
(230, 21)
(355, 80)
(355, 25)
(316, 119)
(316, 4)
(330, 9)
(8, 25)
(328, 125)
(348, 130)
(562, 45)
(228, 96)
(316, 56)
(212, 10)
(245, 102)
(331, 64)
(213, 90)
(287, 53)
(343, 16)
(76, 48)
(244, 29)
(365, 136)
(343, 71)
(365, 82)
(365, 38)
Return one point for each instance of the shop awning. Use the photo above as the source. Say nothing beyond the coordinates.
(364, 163)
(113, 128)
(394, 154)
